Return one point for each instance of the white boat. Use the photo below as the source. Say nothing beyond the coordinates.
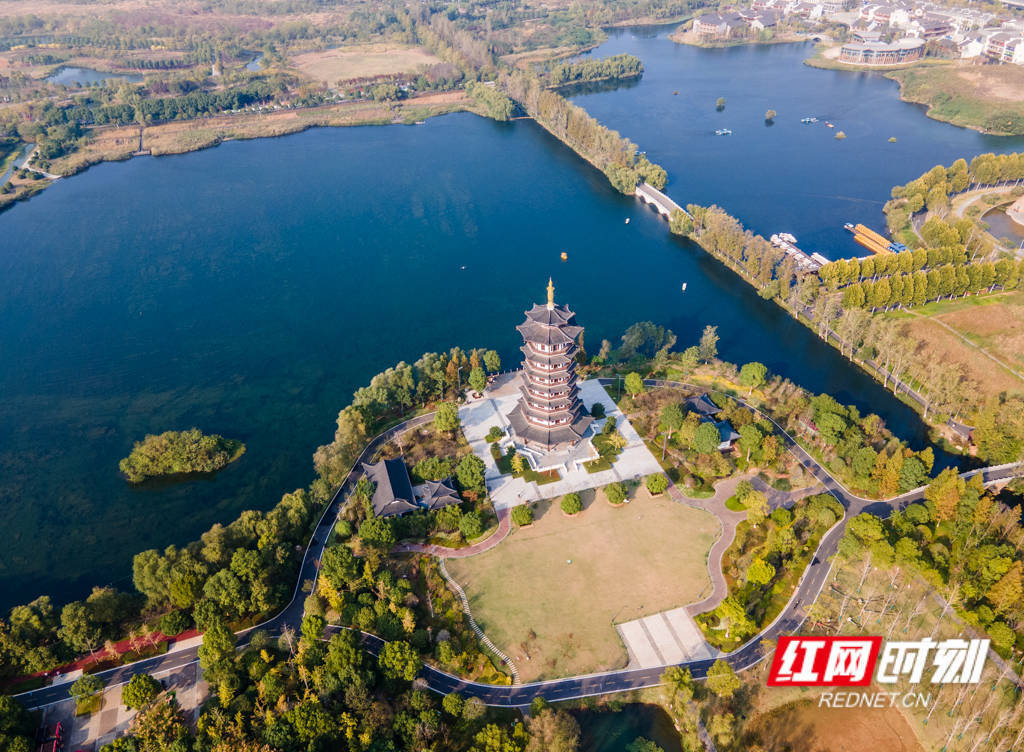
(808, 120)
(723, 132)
(627, 220)
(684, 287)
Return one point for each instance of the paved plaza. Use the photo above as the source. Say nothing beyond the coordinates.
(480, 415)
(664, 639)
(90, 732)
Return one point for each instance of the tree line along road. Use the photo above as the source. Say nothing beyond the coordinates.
(748, 655)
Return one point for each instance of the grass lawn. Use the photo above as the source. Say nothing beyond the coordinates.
(88, 705)
(989, 97)
(555, 618)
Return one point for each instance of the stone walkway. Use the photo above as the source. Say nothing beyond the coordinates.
(729, 520)
(443, 552)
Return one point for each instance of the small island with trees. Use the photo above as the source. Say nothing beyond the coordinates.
(179, 453)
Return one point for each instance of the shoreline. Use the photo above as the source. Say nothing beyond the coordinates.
(118, 143)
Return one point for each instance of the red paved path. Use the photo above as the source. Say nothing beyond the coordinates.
(443, 552)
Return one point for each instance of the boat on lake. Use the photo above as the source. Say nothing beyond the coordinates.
(723, 132)
(807, 120)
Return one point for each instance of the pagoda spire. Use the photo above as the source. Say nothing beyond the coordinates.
(551, 294)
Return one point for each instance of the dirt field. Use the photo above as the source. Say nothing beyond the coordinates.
(993, 323)
(805, 727)
(556, 618)
(365, 61)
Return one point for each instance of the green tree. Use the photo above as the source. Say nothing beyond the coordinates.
(571, 503)
(708, 347)
(78, 628)
(446, 419)
(672, 418)
(492, 362)
(217, 653)
(750, 439)
(453, 704)
(760, 572)
(722, 680)
(753, 375)
(399, 660)
(478, 379)
(86, 686)
(470, 474)
(140, 692)
(634, 383)
(377, 532)
(470, 525)
(706, 438)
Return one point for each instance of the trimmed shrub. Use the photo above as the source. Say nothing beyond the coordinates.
(657, 484)
(522, 514)
(571, 503)
(616, 493)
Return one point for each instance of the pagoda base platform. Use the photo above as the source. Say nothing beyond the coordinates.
(479, 415)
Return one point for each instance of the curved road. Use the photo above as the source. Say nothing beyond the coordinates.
(748, 655)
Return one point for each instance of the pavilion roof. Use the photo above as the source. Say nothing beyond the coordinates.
(393, 493)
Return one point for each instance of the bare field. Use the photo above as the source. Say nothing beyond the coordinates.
(993, 323)
(550, 594)
(364, 61)
(804, 726)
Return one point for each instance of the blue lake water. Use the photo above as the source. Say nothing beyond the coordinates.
(250, 288)
(71, 75)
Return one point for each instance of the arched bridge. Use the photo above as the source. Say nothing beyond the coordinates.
(651, 195)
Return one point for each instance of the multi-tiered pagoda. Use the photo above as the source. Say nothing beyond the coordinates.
(549, 416)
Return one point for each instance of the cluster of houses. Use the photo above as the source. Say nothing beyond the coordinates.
(883, 33)
(966, 32)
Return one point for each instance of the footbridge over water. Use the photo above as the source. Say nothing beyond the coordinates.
(651, 195)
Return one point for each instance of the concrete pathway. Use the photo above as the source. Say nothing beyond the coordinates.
(729, 520)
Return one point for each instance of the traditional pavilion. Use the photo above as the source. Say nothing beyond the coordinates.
(549, 416)
(393, 493)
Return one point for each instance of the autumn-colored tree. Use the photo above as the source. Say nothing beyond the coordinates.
(1007, 593)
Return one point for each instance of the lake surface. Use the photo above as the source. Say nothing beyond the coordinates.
(249, 289)
(614, 731)
(785, 177)
(1001, 226)
(72, 75)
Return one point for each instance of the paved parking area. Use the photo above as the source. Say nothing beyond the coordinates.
(664, 639)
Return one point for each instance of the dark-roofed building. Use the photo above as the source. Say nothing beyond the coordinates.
(437, 494)
(701, 405)
(726, 435)
(549, 415)
(393, 493)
